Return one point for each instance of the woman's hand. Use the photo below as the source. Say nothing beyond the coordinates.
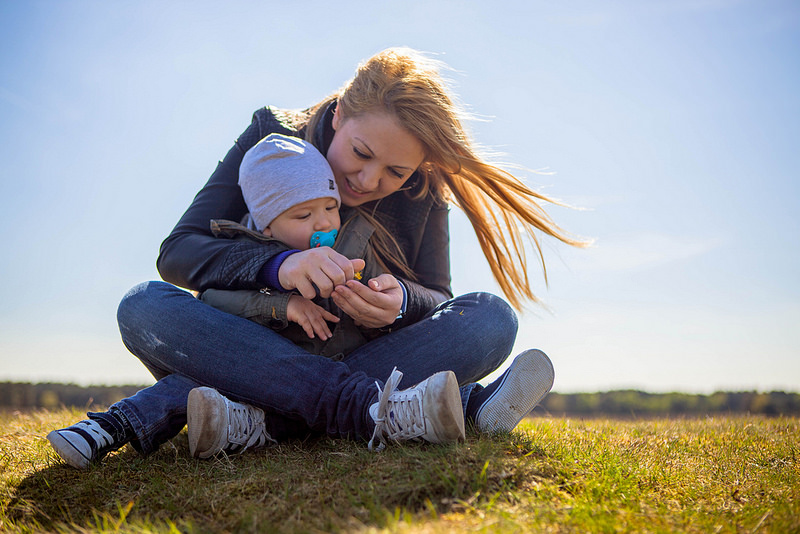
(322, 267)
(374, 305)
(311, 317)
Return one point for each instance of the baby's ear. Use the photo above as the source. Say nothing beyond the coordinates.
(267, 232)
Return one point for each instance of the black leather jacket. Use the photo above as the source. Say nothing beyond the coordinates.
(193, 258)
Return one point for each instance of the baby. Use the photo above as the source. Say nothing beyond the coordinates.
(291, 196)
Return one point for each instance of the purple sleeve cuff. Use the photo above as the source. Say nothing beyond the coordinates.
(268, 275)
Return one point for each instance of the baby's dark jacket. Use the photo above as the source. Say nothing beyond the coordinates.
(268, 306)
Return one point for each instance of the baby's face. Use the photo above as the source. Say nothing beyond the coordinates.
(295, 225)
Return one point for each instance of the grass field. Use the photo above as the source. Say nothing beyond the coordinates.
(733, 474)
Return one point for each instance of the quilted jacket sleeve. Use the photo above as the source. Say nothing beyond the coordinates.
(268, 309)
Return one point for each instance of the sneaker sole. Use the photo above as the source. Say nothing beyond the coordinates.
(67, 451)
(524, 385)
(206, 414)
(446, 415)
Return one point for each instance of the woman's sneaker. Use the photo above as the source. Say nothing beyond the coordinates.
(431, 410)
(88, 441)
(504, 402)
(216, 424)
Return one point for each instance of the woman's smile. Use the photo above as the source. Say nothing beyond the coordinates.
(355, 189)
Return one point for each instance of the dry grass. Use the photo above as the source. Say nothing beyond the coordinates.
(736, 474)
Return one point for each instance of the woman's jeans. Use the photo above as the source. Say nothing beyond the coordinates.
(186, 344)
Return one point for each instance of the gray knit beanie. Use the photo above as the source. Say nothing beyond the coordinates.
(280, 172)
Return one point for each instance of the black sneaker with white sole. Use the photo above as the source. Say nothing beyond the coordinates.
(88, 441)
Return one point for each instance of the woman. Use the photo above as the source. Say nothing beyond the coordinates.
(398, 151)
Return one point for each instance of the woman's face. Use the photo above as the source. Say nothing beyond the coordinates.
(372, 156)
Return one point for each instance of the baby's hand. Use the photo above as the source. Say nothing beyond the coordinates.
(311, 317)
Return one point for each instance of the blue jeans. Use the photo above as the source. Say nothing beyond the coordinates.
(185, 343)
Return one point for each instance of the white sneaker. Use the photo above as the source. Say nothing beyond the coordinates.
(516, 392)
(431, 410)
(217, 424)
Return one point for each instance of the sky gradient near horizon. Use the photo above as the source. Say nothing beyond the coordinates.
(674, 125)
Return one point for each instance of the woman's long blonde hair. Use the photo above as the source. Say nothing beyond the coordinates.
(503, 210)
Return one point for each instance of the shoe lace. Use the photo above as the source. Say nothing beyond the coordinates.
(103, 439)
(245, 427)
(399, 414)
(108, 438)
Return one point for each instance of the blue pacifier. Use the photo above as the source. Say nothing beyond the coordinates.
(324, 239)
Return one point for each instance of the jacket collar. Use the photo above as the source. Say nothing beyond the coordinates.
(323, 133)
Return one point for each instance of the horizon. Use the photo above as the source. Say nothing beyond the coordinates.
(566, 393)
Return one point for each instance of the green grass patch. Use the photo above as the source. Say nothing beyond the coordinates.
(731, 474)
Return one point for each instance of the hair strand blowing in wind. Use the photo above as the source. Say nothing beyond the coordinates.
(502, 209)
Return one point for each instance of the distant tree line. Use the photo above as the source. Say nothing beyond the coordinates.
(24, 395)
(624, 403)
(633, 403)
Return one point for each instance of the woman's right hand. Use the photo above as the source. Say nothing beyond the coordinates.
(322, 267)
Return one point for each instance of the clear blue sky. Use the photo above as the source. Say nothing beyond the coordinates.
(674, 124)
